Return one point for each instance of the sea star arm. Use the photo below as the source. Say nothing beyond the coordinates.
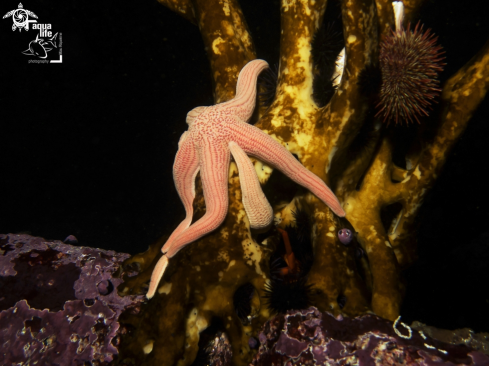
(258, 144)
(214, 170)
(158, 272)
(243, 104)
(258, 210)
(185, 170)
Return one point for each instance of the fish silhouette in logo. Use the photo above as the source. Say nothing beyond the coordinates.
(51, 40)
(38, 47)
(20, 17)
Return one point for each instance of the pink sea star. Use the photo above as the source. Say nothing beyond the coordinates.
(214, 133)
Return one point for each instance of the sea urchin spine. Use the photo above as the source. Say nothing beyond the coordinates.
(410, 62)
(289, 266)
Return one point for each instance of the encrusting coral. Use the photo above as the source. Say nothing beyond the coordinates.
(201, 280)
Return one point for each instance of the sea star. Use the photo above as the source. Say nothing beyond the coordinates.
(214, 133)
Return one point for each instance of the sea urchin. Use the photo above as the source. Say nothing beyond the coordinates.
(289, 266)
(410, 62)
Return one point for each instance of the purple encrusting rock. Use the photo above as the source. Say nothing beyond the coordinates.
(309, 337)
(58, 303)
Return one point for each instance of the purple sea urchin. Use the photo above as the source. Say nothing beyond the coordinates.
(410, 62)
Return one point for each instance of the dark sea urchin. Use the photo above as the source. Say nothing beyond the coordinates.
(326, 45)
(242, 301)
(268, 81)
(410, 61)
(289, 265)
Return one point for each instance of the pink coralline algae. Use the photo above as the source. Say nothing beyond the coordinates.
(58, 303)
(309, 337)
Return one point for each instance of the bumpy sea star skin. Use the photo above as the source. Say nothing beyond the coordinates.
(214, 134)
